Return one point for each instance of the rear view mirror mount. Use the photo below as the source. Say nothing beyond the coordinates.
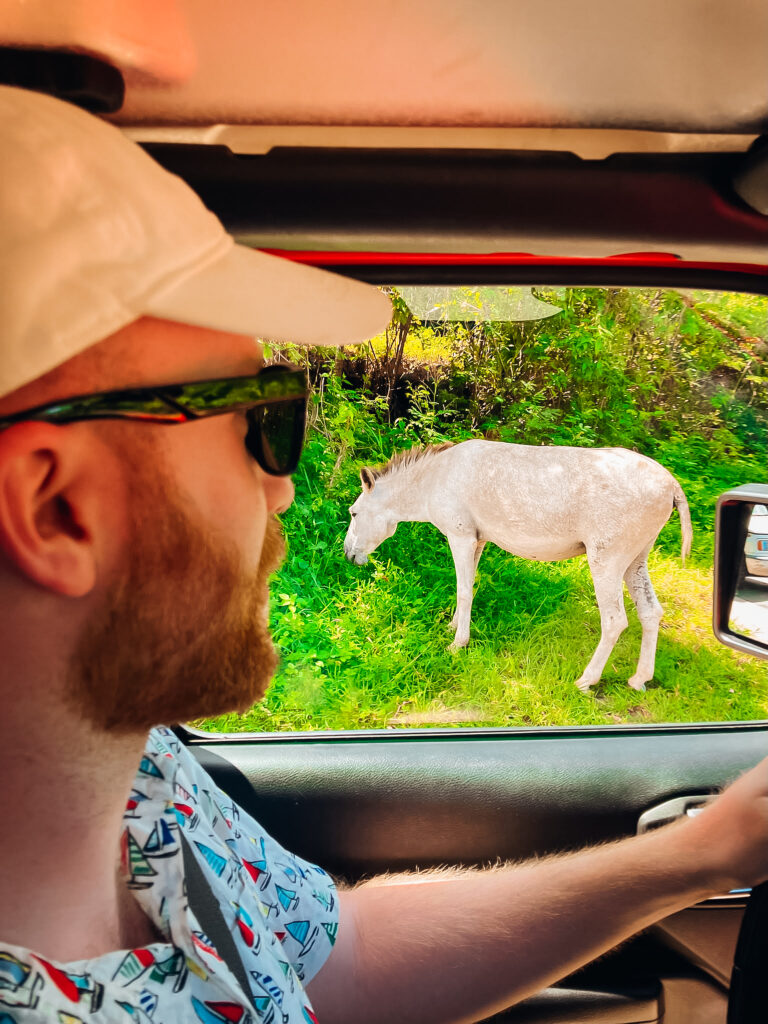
(740, 612)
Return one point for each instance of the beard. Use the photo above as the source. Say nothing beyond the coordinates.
(183, 634)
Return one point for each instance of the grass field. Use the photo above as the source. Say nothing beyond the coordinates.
(365, 647)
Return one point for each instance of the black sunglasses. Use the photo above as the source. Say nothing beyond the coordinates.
(274, 401)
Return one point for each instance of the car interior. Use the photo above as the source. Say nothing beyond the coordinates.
(522, 143)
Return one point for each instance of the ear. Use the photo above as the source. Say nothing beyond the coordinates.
(367, 479)
(50, 496)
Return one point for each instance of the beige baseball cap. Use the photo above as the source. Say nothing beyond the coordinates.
(95, 234)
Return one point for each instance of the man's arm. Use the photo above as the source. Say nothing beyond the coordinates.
(459, 948)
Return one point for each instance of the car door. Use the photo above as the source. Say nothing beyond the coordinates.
(362, 802)
(359, 804)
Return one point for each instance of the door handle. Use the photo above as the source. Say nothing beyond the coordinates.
(671, 810)
(688, 807)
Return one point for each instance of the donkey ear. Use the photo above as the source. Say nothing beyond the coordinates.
(367, 479)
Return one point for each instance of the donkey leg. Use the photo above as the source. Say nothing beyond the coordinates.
(478, 551)
(650, 613)
(606, 576)
(463, 549)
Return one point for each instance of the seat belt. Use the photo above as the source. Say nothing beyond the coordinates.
(206, 909)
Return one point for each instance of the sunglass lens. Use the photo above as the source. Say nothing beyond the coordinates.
(276, 434)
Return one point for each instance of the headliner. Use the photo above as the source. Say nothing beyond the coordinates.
(685, 65)
(664, 65)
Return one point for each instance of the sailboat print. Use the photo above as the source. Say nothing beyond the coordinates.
(221, 1013)
(161, 842)
(136, 864)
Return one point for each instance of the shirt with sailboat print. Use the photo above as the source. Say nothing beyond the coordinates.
(282, 913)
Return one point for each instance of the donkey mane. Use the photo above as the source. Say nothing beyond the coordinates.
(408, 458)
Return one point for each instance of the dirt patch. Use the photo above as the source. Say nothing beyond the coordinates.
(440, 716)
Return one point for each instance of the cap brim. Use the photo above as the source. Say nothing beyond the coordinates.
(250, 292)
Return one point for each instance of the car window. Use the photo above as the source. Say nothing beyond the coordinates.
(676, 380)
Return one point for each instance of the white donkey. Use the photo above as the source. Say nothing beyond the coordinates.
(545, 503)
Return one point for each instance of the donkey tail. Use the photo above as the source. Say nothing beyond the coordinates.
(681, 504)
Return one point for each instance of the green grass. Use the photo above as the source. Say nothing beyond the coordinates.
(365, 647)
(375, 651)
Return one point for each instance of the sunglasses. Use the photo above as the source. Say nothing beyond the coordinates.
(274, 401)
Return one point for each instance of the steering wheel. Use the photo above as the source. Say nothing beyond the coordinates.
(748, 999)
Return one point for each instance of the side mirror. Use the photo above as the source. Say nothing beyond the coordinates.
(740, 615)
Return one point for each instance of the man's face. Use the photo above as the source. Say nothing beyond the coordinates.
(181, 631)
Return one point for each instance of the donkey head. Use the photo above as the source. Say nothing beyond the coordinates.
(372, 520)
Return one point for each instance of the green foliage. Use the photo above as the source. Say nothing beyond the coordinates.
(677, 376)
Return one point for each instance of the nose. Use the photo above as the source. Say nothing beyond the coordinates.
(279, 493)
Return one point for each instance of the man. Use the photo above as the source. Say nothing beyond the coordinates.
(143, 458)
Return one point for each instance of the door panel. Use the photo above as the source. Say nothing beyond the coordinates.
(362, 803)
(358, 804)
(569, 1005)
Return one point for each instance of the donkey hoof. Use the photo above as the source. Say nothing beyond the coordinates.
(637, 684)
(456, 646)
(583, 685)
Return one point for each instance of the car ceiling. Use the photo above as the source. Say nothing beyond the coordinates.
(691, 65)
(312, 86)
(688, 66)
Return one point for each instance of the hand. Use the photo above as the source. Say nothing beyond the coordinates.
(731, 834)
